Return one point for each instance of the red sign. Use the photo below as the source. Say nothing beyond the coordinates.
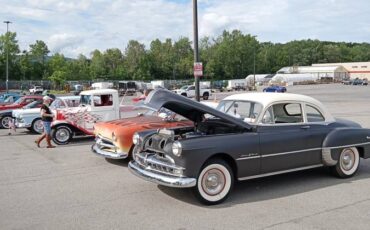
(198, 69)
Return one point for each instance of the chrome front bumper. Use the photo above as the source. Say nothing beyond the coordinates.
(22, 124)
(167, 180)
(107, 150)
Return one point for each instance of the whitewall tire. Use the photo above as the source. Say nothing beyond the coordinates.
(348, 163)
(214, 183)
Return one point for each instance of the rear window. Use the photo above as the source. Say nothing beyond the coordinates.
(313, 114)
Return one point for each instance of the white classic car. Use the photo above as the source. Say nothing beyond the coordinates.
(31, 118)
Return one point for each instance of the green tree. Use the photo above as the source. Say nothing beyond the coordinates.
(97, 66)
(137, 61)
(9, 44)
(113, 60)
(25, 65)
(39, 52)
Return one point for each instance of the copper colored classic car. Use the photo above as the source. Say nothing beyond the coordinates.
(114, 138)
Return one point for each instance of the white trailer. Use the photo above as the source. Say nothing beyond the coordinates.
(102, 85)
(236, 84)
(160, 84)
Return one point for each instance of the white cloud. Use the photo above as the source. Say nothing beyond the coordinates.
(70, 26)
(58, 42)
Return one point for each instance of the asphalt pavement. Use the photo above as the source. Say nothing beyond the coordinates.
(71, 188)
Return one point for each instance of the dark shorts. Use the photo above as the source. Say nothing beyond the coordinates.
(47, 127)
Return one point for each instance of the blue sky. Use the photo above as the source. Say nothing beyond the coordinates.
(80, 26)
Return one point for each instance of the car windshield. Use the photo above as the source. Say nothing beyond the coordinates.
(162, 113)
(57, 104)
(38, 87)
(8, 99)
(19, 101)
(248, 111)
(31, 105)
(184, 87)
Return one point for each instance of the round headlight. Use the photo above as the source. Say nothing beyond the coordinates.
(176, 148)
(135, 138)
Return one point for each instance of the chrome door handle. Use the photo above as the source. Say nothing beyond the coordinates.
(305, 127)
(368, 137)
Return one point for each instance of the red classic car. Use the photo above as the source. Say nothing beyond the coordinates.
(114, 138)
(21, 102)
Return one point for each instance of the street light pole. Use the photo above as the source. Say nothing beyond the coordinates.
(196, 52)
(254, 68)
(7, 56)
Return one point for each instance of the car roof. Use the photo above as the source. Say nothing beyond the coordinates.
(34, 96)
(98, 91)
(267, 99)
(69, 97)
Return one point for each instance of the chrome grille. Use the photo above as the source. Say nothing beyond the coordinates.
(154, 162)
(105, 144)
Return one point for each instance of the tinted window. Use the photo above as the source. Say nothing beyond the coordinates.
(313, 114)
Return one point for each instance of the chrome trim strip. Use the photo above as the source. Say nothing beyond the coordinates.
(303, 150)
(247, 158)
(280, 172)
(284, 153)
(171, 181)
(347, 146)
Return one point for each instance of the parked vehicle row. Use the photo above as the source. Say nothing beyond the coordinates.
(356, 81)
(265, 135)
(208, 147)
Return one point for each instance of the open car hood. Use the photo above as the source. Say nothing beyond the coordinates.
(187, 108)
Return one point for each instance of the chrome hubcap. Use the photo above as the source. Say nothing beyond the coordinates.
(62, 135)
(213, 182)
(348, 159)
(5, 122)
(38, 126)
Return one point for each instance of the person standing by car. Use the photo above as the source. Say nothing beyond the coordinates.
(46, 117)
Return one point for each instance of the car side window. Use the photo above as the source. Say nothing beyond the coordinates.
(103, 100)
(283, 113)
(191, 88)
(29, 100)
(268, 117)
(313, 114)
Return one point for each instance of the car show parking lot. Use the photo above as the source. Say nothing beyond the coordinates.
(71, 188)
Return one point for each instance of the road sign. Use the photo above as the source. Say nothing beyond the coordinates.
(198, 69)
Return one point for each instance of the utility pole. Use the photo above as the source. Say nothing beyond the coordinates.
(254, 68)
(196, 52)
(7, 56)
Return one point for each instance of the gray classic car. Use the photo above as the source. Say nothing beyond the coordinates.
(248, 136)
(31, 118)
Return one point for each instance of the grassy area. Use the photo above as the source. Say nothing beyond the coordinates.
(57, 92)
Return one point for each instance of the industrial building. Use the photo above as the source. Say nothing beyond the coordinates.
(354, 69)
(259, 79)
(330, 72)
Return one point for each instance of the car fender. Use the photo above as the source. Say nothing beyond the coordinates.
(74, 128)
(341, 138)
(197, 152)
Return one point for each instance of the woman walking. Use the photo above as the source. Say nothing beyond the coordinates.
(47, 118)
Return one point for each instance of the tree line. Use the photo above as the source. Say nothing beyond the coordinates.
(229, 55)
